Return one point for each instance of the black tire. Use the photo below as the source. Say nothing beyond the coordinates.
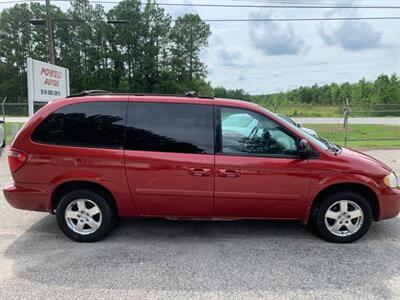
(319, 217)
(107, 215)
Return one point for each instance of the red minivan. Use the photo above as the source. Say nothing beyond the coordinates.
(91, 158)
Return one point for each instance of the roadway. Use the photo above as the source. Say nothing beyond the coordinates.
(160, 259)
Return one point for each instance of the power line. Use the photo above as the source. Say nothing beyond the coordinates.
(342, 62)
(250, 20)
(266, 6)
(322, 70)
(318, 2)
(275, 5)
(293, 19)
(258, 20)
(278, 70)
(257, 6)
(290, 6)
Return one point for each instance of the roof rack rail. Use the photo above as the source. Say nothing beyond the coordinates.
(90, 93)
(190, 94)
(194, 94)
(94, 92)
(154, 94)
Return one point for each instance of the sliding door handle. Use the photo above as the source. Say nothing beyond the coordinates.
(228, 173)
(200, 172)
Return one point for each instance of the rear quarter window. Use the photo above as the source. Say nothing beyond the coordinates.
(170, 127)
(90, 124)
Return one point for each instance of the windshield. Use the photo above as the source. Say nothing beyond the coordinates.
(295, 129)
(241, 120)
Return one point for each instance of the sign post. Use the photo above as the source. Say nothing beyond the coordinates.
(346, 111)
(46, 82)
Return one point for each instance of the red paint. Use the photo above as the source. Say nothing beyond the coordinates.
(261, 187)
(164, 183)
(189, 185)
(16, 159)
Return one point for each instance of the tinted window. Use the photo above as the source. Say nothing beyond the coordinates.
(92, 124)
(261, 136)
(166, 127)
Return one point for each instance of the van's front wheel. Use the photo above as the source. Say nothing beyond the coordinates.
(343, 217)
(84, 216)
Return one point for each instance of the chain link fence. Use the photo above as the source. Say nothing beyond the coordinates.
(315, 110)
(347, 131)
(372, 111)
(344, 132)
(20, 109)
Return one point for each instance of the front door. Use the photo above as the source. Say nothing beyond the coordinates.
(258, 170)
(170, 158)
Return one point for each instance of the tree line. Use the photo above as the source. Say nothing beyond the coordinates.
(148, 52)
(384, 90)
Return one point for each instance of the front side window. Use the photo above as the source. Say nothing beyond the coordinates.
(256, 135)
(90, 124)
(170, 127)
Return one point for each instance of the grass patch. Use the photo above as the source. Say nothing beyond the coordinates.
(9, 131)
(335, 110)
(336, 133)
(310, 111)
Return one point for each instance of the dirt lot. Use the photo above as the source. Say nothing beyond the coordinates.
(158, 259)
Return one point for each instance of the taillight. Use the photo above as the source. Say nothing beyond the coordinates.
(16, 159)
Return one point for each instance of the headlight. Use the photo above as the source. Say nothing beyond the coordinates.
(391, 180)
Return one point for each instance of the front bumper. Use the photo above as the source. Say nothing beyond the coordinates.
(28, 196)
(389, 203)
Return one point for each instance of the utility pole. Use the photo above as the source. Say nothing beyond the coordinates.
(50, 34)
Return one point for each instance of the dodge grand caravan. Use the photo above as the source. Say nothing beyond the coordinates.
(91, 158)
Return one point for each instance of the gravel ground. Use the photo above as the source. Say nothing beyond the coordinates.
(159, 259)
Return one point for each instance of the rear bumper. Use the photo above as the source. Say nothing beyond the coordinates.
(28, 196)
(389, 204)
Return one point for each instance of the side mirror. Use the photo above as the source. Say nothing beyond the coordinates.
(304, 148)
(298, 125)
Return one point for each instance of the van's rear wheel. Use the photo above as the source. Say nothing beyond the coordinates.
(84, 216)
(343, 217)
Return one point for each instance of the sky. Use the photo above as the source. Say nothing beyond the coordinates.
(270, 57)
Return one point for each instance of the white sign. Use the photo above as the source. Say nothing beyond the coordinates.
(46, 82)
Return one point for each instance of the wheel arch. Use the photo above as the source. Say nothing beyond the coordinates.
(68, 186)
(362, 189)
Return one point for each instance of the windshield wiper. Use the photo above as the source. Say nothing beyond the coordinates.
(338, 148)
(331, 146)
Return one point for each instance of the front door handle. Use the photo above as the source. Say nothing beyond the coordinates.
(199, 171)
(228, 173)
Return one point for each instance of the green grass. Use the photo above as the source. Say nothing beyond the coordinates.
(336, 133)
(329, 111)
(310, 111)
(304, 110)
(8, 131)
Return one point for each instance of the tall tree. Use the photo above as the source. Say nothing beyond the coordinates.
(126, 42)
(154, 41)
(188, 36)
(143, 54)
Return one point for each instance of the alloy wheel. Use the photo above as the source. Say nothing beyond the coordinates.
(83, 216)
(344, 218)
